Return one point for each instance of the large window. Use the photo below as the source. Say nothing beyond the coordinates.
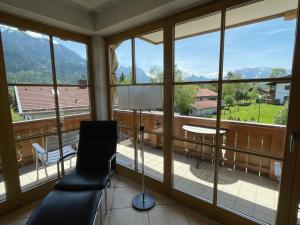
(147, 70)
(230, 110)
(48, 98)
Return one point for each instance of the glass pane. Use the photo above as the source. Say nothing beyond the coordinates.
(255, 115)
(149, 58)
(126, 121)
(197, 48)
(70, 62)
(121, 62)
(194, 169)
(74, 106)
(259, 40)
(70, 141)
(27, 56)
(2, 181)
(249, 185)
(34, 126)
(153, 142)
(195, 109)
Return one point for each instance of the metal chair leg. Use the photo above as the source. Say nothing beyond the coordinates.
(45, 168)
(37, 167)
(106, 211)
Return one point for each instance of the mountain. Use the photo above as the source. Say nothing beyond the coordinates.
(27, 60)
(141, 76)
(195, 78)
(253, 73)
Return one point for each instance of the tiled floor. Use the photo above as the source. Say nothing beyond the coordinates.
(120, 212)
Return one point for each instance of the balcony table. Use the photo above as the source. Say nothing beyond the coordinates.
(199, 133)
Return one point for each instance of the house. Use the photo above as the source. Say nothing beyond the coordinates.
(38, 102)
(279, 92)
(205, 104)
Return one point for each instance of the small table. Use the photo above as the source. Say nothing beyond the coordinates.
(198, 131)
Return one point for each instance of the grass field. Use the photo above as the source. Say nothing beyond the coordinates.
(250, 113)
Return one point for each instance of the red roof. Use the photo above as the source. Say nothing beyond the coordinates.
(205, 104)
(204, 92)
(41, 99)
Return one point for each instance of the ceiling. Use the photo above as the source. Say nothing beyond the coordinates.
(107, 17)
(94, 6)
(104, 17)
(253, 12)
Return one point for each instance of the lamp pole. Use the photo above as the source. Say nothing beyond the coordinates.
(259, 97)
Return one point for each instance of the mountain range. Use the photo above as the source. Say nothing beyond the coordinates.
(28, 60)
(246, 73)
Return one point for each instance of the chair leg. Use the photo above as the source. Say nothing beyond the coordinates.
(45, 168)
(37, 167)
(106, 211)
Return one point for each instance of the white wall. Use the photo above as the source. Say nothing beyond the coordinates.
(281, 92)
(98, 46)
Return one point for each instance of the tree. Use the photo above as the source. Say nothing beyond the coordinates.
(184, 97)
(184, 94)
(156, 75)
(228, 100)
(281, 116)
(122, 78)
(278, 72)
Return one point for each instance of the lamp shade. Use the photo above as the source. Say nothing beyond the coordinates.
(141, 97)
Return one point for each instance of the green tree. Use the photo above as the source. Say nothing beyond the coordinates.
(281, 116)
(184, 94)
(15, 116)
(156, 75)
(122, 78)
(229, 100)
(278, 72)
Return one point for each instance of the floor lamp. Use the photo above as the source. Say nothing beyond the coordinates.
(141, 97)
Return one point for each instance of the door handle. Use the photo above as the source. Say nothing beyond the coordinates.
(293, 138)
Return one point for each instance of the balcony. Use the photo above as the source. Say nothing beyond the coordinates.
(247, 183)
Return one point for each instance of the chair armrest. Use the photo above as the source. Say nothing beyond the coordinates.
(61, 160)
(38, 149)
(109, 167)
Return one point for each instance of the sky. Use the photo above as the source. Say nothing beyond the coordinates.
(268, 44)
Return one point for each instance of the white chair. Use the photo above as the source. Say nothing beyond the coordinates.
(50, 155)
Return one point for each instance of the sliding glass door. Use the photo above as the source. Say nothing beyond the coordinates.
(232, 79)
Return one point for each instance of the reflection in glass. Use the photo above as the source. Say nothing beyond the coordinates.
(27, 56)
(121, 62)
(70, 62)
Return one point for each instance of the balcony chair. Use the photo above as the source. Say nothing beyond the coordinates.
(96, 158)
(50, 154)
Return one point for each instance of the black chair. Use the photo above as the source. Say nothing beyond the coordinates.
(96, 158)
(68, 207)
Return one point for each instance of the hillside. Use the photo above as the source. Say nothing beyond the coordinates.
(27, 60)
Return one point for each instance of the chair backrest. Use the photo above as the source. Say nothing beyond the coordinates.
(70, 139)
(97, 144)
(51, 143)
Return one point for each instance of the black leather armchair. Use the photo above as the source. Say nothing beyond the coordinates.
(96, 158)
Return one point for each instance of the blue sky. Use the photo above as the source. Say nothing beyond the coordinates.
(268, 44)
